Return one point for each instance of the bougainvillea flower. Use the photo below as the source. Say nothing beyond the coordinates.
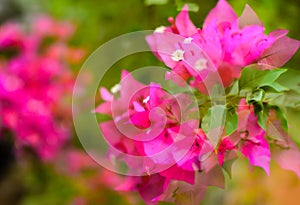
(228, 41)
(36, 84)
(44, 26)
(169, 154)
(11, 36)
(149, 112)
(134, 115)
(252, 141)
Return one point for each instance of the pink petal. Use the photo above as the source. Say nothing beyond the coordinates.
(225, 146)
(258, 152)
(129, 184)
(278, 33)
(222, 13)
(178, 75)
(110, 132)
(104, 108)
(164, 45)
(129, 86)
(177, 173)
(280, 52)
(151, 40)
(228, 73)
(248, 18)
(184, 24)
(105, 95)
(158, 144)
(138, 107)
(141, 119)
(151, 187)
(288, 158)
(212, 42)
(185, 193)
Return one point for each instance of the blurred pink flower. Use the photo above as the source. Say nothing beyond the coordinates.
(36, 85)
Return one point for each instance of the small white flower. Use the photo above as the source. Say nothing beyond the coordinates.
(146, 99)
(177, 55)
(201, 64)
(160, 29)
(116, 88)
(188, 40)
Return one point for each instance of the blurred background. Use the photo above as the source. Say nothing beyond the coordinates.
(29, 176)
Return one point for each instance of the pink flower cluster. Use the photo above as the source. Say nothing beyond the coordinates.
(36, 84)
(189, 167)
(176, 157)
(218, 52)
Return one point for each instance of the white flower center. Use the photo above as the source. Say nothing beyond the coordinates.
(200, 64)
(188, 40)
(160, 29)
(146, 99)
(116, 88)
(177, 55)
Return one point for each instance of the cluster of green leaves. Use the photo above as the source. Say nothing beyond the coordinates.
(277, 89)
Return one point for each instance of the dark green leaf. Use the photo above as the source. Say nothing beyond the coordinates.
(262, 120)
(281, 115)
(231, 122)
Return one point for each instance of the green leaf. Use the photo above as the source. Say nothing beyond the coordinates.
(262, 120)
(218, 94)
(278, 87)
(213, 118)
(244, 92)
(256, 99)
(290, 80)
(281, 115)
(234, 89)
(292, 116)
(256, 96)
(231, 122)
(213, 123)
(289, 99)
(253, 78)
(227, 166)
(155, 2)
